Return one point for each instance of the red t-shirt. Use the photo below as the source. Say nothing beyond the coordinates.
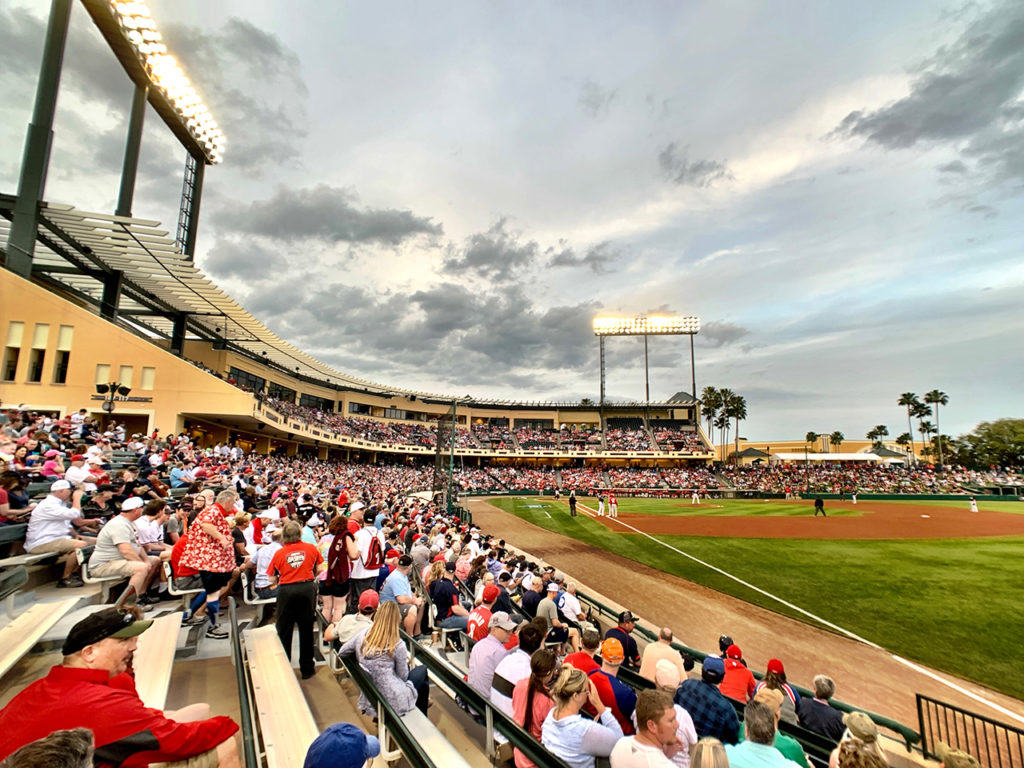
(176, 552)
(476, 625)
(126, 732)
(582, 661)
(295, 562)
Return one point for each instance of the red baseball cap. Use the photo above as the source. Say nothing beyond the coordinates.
(369, 599)
(490, 593)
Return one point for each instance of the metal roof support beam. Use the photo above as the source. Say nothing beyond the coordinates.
(35, 161)
(131, 152)
(191, 196)
(178, 335)
(111, 295)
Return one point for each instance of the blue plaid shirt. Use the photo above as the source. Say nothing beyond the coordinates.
(712, 713)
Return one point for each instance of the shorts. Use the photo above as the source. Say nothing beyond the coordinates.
(335, 589)
(558, 635)
(60, 546)
(187, 583)
(214, 581)
(403, 608)
(121, 569)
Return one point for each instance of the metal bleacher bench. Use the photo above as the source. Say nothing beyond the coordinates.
(184, 594)
(107, 583)
(154, 659)
(22, 633)
(286, 723)
(9, 534)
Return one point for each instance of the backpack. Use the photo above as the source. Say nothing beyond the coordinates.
(374, 555)
(337, 559)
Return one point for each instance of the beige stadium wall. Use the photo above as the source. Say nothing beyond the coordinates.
(171, 386)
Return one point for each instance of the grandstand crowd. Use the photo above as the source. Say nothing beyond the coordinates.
(355, 544)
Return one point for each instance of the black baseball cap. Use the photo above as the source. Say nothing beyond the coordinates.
(625, 617)
(110, 622)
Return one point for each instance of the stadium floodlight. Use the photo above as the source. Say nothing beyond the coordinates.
(646, 325)
(652, 325)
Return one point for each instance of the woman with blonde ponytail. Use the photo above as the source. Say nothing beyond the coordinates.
(569, 736)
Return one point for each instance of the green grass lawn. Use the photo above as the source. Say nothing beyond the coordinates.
(951, 604)
(720, 508)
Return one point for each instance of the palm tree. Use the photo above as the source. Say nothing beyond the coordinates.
(836, 438)
(710, 402)
(875, 435)
(927, 429)
(722, 424)
(937, 398)
(921, 412)
(727, 395)
(811, 438)
(904, 440)
(736, 408)
(909, 399)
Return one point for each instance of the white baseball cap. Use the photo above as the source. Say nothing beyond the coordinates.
(133, 503)
(60, 485)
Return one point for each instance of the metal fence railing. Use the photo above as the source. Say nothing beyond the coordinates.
(994, 744)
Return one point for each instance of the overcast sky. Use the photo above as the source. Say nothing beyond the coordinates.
(442, 195)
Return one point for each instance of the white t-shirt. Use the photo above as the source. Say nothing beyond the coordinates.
(149, 530)
(363, 537)
(570, 606)
(630, 753)
(50, 520)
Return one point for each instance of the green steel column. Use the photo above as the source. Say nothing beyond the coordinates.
(193, 219)
(36, 159)
(131, 151)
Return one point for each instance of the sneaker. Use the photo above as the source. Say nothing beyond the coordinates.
(217, 632)
(71, 582)
(145, 607)
(195, 621)
(146, 600)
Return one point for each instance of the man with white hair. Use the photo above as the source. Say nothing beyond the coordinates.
(51, 528)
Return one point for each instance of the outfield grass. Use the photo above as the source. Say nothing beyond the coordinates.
(951, 604)
(721, 508)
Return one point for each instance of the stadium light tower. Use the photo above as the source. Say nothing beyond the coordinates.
(131, 33)
(652, 325)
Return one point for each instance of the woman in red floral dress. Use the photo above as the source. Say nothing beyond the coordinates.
(210, 550)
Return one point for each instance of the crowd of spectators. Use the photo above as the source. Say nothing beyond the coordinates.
(581, 478)
(862, 477)
(678, 439)
(628, 439)
(530, 439)
(494, 436)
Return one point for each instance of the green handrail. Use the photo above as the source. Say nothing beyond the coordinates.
(908, 734)
(503, 724)
(242, 680)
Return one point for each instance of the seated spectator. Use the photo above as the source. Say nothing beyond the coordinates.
(775, 678)
(616, 695)
(150, 527)
(385, 658)
(817, 714)
(854, 753)
(341, 745)
(566, 734)
(397, 589)
(52, 528)
(667, 678)
(351, 624)
(61, 749)
(655, 736)
(662, 650)
(622, 634)
(531, 701)
(451, 614)
(560, 632)
(532, 595)
(859, 726)
(480, 617)
(486, 654)
(757, 750)
(515, 666)
(712, 713)
(92, 689)
(19, 505)
(739, 683)
(262, 585)
(709, 753)
(953, 758)
(787, 745)
(118, 552)
(585, 659)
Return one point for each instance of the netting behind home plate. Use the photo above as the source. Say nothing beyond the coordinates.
(444, 459)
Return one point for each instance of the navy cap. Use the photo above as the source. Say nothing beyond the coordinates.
(342, 745)
(713, 670)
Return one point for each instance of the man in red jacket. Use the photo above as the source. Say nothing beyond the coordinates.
(94, 689)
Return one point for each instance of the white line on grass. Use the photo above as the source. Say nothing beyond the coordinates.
(829, 624)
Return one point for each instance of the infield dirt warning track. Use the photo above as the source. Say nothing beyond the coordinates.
(877, 520)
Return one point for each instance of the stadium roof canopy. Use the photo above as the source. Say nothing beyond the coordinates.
(78, 253)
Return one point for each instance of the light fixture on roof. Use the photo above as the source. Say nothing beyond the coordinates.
(139, 29)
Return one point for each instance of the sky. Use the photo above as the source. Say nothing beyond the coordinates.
(442, 196)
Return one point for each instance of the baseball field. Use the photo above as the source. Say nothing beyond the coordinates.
(930, 581)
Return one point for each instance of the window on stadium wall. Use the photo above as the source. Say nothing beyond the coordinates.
(534, 424)
(280, 392)
(320, 403)
(247, 380)
(359, 408)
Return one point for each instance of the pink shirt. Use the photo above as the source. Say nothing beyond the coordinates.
(542, 704)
